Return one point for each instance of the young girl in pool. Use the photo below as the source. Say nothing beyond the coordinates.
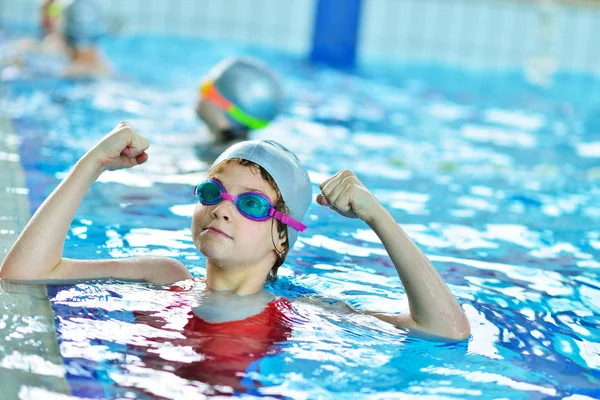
(249, 212)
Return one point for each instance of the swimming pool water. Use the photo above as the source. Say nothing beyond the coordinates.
(497, 181)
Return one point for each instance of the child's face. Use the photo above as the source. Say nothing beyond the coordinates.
(224, 235)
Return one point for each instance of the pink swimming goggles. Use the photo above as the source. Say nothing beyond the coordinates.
(252, 205)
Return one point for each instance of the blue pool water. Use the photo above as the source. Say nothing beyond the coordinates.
(497, 181)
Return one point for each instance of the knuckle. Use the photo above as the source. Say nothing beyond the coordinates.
(349, 180)
(346, 173)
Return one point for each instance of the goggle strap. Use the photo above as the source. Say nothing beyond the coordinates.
(286, 219)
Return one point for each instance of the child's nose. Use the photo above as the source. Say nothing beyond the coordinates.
(223, 210)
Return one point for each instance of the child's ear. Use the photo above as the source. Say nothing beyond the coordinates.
(282, 241)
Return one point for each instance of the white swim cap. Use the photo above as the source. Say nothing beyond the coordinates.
(286, 169)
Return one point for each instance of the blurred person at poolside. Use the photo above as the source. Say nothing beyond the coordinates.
(237, 96)
(71, 30)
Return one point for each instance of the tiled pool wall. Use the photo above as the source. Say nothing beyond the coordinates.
(545, 35)
(486, 34)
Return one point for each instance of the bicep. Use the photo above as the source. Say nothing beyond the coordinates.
(158, 270)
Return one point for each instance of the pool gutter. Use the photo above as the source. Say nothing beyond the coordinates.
(30, 362)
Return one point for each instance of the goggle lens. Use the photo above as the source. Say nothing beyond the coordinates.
(208, 193)
(254, 206)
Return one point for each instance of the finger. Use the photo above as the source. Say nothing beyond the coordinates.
(133, 151)
(340, 195)
(127, 152)
(120, 126)
(346, 197)
(142, 158)
(328, 189)
(137, 146)
(334, 192)
(328, 185)
(137, 160)
(322, 200)
(125, 162)
(145, 142)
(326, 181)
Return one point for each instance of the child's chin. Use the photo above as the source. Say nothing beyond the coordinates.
(214, 251)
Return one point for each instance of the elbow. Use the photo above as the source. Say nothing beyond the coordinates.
(8, 273)
(6, 270)
(458, 329)
(462, 335)
(461, 330)
(12, 269)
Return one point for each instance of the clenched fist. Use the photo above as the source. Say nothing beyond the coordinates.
(123, 147)
(346, 194)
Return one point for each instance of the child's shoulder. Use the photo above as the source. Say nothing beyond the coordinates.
(187, 285)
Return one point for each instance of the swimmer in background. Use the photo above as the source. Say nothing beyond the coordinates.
(239, 95)
(71, 29)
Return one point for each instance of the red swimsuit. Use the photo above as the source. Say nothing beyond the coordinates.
(225, 349)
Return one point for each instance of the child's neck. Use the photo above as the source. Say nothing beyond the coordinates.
(241, 281)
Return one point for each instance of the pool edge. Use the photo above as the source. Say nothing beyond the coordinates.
(14, 200)
(30, 350)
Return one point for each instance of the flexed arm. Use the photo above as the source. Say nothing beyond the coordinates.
(433, 308)
(37, 253)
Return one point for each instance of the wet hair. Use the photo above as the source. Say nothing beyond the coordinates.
(279, 205)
